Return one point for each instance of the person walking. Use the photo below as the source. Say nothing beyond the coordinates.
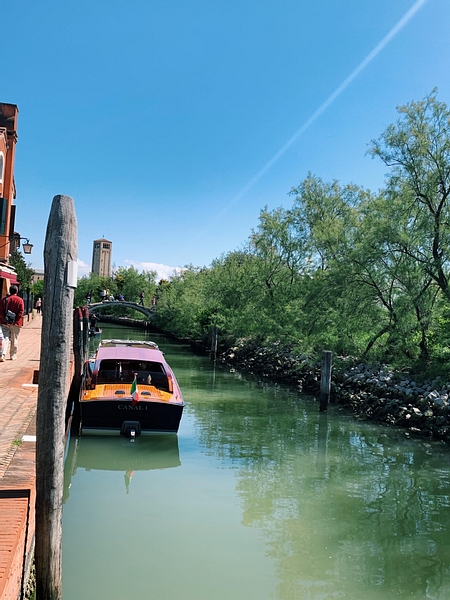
(141, 298)
(93, 323)
(11, 320)
(38, 306)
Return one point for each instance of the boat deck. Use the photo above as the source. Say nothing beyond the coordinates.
(118, 391)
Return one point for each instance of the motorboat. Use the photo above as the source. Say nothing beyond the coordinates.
(128, 388)
(94, 331)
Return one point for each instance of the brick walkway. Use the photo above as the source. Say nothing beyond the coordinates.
(18, 399)
(18, 395)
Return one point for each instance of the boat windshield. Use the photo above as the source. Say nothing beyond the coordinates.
(124, 371)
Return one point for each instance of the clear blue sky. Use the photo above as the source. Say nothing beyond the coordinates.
(172, 124)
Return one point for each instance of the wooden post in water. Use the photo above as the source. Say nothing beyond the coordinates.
(60, 252)
(72, 409)
(325, 379)
(213, 353)
(85, 313)
(80, 349)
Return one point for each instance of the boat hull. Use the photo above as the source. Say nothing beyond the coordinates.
(109, 416)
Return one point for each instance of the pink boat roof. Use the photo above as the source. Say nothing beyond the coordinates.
(130, 353)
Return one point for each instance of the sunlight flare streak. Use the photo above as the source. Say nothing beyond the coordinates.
(343, 86)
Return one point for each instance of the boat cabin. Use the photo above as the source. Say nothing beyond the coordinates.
(119, 364)
(124, 371)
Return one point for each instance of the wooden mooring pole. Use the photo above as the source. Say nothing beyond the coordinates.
(325, 379)
(214, 335)
(60, 256)
(80, 351)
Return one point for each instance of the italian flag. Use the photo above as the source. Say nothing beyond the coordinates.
(134, 392)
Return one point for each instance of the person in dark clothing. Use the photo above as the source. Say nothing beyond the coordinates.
(93, 323)
(11, 323)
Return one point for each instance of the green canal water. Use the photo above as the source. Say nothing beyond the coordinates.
(258, 497)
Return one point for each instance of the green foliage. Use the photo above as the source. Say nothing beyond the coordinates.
(362, 274)
(38, 289)
(180, 302)
(24, 271)
(417, 150)
(130, 282)
(127, 281)
(93, 283)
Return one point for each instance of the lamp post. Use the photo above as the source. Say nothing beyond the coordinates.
(27, 247)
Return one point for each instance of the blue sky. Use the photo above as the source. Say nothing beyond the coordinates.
(172, 124)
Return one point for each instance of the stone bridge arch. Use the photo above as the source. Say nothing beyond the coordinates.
(97, 307)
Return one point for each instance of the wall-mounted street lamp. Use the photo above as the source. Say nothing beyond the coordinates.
(27, 247)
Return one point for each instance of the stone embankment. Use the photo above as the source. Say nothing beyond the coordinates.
(373, 391)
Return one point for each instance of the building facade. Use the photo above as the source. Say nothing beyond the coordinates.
(101, 257)
(8, 138)
(38, 275)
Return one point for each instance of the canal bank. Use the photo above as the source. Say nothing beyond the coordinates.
(375, 392)
(18, 402)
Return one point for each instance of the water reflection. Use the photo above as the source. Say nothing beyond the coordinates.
(104, 453)
(272, 500)
(347, 509)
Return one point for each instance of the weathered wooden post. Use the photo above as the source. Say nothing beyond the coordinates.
(85, 313)
(325, 379)
(78, 358)
(60, 256)
(80, 350)
(213, 353)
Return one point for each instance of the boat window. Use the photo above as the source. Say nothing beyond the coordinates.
(150, 373)
(107, 372)
(124, 371)
(88, 369)
(159, 377)
(87, 375)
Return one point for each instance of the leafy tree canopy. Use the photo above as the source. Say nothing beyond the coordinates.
(24, 271)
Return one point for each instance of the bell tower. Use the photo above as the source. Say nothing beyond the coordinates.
(101, 257)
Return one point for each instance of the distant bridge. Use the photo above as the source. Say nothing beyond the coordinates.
(98, 306)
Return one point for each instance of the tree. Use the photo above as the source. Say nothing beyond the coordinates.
(87, 283)
(364, 289)
(24, 271)
(417, 150)
(38, 288)
(131, 283)
(180, 302)
(391, 279)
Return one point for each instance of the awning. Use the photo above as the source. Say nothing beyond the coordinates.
(12, 277)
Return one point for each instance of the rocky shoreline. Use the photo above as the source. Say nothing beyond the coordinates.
(374, 392)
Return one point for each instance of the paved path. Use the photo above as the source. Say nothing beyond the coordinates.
(18, 400)
(18, 394)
